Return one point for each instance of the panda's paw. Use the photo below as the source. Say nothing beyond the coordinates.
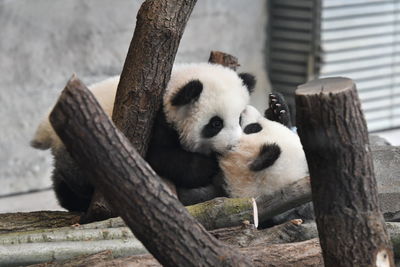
(278, 110)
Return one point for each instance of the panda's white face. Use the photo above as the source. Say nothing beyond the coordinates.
(204, 103)
(267, 157)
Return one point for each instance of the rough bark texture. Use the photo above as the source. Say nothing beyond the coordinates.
(225, 212)
(159, 28)
(147, 69)
(131, 187)
(70, 242)
(289, 197)
(224, 59)
(26, 221)
(212, 214)
(306, 253)
(333, 131)
(81, 261)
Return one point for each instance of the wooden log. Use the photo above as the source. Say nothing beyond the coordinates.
(212, 214)
(307, 253)
(147, 69)
(224, 59)
(334, 135)
(27, 221)
(86, 260)
(289, 197)
(73, 241)
(131, 187)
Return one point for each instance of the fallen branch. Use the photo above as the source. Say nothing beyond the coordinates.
(306, 253)
(289, 197)
(225, 212)
(86, 260)
(212, 214)
(26, 221)
(240, 236)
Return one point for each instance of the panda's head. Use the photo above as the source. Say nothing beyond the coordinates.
(204, 102)
(268, 156)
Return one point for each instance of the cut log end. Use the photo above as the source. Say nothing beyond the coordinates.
(255, 212)
(224, 59)
(332, 85)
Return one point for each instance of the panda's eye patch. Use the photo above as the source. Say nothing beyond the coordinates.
(213, 127)
(252, 128)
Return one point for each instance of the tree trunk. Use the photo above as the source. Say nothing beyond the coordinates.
(147, 68)
(333, 131)
(131, 187)
(146, 72)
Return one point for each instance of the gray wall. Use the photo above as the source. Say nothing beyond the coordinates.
(44, 41)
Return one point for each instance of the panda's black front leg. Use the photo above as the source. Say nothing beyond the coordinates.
(278, 110)
(185, 169)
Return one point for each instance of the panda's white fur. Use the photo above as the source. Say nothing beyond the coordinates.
(178, 149)
(104, 91)
(224, 94)
(290, 166)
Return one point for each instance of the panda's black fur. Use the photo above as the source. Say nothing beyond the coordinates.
(277, 111)
(171, 152)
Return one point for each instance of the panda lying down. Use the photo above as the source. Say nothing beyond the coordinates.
(268, 156)
(205, 113)
(199, 118)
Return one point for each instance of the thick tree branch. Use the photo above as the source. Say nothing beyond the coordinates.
(159, 28)
(158, 31)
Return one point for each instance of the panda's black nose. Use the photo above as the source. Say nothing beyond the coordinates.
(230, 147)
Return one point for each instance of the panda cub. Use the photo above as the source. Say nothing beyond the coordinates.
(199, 118)
(268, 156)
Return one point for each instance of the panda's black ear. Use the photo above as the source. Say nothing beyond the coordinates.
(249, 80)
(267, 156)
(188, 93)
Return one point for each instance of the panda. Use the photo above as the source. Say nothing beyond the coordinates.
(277, 117)
(199, 119)
(267, 157)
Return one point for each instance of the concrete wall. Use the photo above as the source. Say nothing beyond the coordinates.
(44, 41)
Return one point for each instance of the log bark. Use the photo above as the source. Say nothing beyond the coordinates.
(27, 221)
(225, 212)
(81, 261)
(224, 59)
(73, 241)
(334, 135)
(131, 187)
(306, 253)
(289, 197)
(212, 214)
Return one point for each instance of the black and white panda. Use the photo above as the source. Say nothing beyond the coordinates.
(267, 157)
(200, 118)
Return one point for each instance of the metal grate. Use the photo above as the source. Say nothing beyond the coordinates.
(358, 39)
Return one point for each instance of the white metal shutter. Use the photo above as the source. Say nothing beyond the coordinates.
(358, 39)
(293, 46)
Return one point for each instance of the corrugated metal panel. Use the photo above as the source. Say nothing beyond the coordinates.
(294, 30)
(359, 39)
